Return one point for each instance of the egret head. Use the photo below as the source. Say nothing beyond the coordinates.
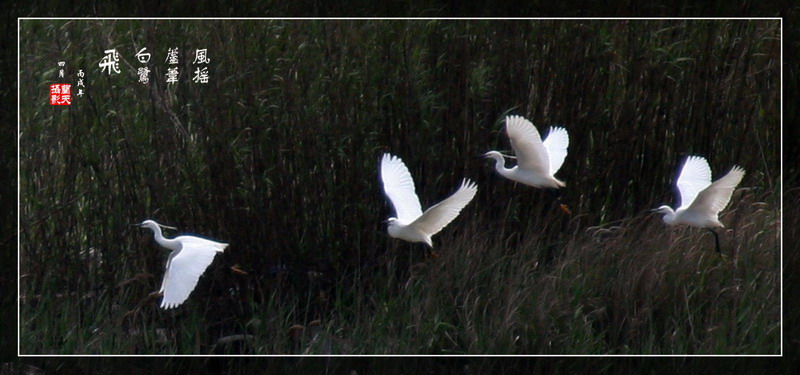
(152, 225)
(498, 157)
(663, 209)
(669, 214)
(393, 227)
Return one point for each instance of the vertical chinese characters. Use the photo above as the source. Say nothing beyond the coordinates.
(143, 72)
(172, 59)
(60, 93)
(80, 82)
(201, 73)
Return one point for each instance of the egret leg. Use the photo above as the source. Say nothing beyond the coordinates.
(716, 240)
(556, 195)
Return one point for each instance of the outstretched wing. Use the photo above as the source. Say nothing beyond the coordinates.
(694, 177)
(196, 241)
(399, 187)
(556, 145)
(184, 268)
(715, 197)
(527, 145)
(438, 216)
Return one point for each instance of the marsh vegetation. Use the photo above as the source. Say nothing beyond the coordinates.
(277, 155)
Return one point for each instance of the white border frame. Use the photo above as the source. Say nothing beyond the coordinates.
(782, 325)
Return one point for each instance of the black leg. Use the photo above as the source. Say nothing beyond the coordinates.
(716, 240)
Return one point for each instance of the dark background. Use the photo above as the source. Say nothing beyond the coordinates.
(491, 113)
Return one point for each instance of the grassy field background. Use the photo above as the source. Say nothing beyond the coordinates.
(278, 156)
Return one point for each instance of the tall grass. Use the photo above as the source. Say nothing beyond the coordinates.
(624, 289)
(277, 155)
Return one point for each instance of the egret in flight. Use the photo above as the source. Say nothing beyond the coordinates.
(411, 224)
(188, 260)
(537, 160)
(700, 199)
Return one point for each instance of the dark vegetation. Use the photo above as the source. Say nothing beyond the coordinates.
(278, 156)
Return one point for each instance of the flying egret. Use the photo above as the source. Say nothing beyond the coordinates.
(411, 224)
(537, 160)
(700, 199)
(188, 260)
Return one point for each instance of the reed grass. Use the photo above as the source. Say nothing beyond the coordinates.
(277, 155)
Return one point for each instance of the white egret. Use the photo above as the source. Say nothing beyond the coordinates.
(188, 260)
(411, 224)
(700, 199)
(537, 160)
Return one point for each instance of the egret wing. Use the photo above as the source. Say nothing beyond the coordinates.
(166, 270)
(694, 177)
(184, 269)
(438, 216)
(556, 145)
(399, 187)
(202, 242)
(715, 197)
(527, 145)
